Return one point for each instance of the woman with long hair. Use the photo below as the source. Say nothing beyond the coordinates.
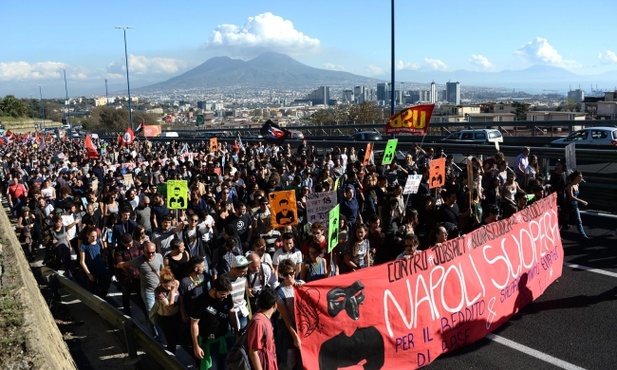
(167, 315)
(315, 267)
(177, 258)
(357, 252)
(288, 340)
(572, 192)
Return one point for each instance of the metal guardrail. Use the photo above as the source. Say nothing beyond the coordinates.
(134, 336)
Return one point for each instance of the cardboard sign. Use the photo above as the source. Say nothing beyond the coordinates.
(318, 206)
(390, 153)
(405, 313)
(177, 194)
(571, 156)
(368, 153)
(283, 208)
(412, 184)
(214, 144)
(437, 173)
(128, 180)
(333, 227)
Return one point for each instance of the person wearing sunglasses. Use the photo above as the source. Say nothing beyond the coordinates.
(149, 265)
(210, 325)
(288, 341)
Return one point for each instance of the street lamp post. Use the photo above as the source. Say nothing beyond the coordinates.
(128, 84)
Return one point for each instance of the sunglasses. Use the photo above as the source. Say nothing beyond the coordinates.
(287, 274)
(150, 253)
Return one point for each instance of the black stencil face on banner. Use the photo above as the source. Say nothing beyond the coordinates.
(387, 157)
(349, 299)
(364, 348)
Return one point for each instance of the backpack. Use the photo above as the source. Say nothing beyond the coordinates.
(237, 356)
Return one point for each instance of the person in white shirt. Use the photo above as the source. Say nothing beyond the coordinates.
(288, 252)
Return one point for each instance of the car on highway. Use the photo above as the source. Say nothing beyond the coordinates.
(366, 136)
(602, 135)
(297, 135)
(478, 136)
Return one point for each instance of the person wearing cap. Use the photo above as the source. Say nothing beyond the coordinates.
(239, 290)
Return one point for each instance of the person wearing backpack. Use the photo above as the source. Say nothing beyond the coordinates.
(260, 346)
(211, 332)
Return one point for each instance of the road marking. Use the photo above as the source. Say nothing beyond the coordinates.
(532, 352)
(590, 269)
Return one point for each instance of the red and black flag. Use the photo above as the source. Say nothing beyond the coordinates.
(273, 133)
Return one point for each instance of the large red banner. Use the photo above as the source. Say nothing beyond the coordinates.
(405, 313)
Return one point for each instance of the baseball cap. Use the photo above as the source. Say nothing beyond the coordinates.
(239, 261)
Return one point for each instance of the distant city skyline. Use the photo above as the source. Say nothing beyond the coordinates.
(430, 40)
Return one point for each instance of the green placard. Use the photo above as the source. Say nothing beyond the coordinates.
(333, 226)
(177, 194)
(390, 152)
(200, 120)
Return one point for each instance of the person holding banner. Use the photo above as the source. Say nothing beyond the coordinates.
(411, 243)
(288, 342)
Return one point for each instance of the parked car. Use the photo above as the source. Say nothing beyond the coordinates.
(603, 135)
(297, 135)
(366, 136)
(479, 136)
(206, 135)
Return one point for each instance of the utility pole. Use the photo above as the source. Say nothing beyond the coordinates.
(128, 84)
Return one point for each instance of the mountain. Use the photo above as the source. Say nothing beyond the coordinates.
(266, 70)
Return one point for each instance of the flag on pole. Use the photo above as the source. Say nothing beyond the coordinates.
(90, 148)
(127, 138)
(140, 127)
(273, 133)
(240, 143)
(413, 120)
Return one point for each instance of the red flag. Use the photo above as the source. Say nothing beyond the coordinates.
(128, 137)
(413, 120)
(90, 148)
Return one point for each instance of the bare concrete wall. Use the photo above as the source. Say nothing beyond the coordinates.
(43, 336)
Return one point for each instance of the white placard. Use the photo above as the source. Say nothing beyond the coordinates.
(318, 206)
(412, 184)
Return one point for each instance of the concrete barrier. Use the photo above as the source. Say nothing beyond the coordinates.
(43, 338)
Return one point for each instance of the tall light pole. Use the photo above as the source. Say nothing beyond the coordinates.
(128, 84)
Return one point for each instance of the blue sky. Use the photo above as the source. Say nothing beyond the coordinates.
(42, 38)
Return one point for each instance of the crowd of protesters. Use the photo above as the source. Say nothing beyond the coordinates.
(202, 272)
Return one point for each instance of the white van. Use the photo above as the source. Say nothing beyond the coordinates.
(479, 136)
(172, 134)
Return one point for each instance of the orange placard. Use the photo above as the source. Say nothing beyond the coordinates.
(214, 144)
(283, 208)
(368, 153)
(437, 173)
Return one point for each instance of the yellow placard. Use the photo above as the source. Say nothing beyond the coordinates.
(177, 194)
(283, 208)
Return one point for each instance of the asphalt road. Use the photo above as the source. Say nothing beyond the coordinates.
(571, 326)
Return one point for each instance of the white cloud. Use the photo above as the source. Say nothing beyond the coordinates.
(539, 51)
(333, 67)
(20, 71)
(263, 32)
(436, 64)
(400, 65)
(142, 65)
(608, 57)
(374, 70)
(481, 62)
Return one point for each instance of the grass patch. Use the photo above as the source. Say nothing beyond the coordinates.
(12, 321)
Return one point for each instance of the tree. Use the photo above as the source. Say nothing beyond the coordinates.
(521, 111)
(366, 112)
(11, 106)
